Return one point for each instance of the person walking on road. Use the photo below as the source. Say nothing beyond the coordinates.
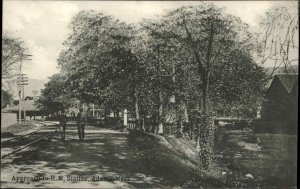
(81, 122)
(63, 124)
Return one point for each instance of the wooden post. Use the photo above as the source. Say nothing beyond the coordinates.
(20, 106)
(20, 93)
(93, 110)
(125, 119)
(24, 110)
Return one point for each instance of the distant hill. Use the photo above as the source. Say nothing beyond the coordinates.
(35, 85)
(282, 70)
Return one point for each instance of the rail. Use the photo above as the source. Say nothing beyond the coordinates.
(27, 145)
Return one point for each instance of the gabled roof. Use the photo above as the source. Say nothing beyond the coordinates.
(287, 80)
(29, 106)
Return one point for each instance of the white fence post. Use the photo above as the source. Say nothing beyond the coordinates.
(125, 119)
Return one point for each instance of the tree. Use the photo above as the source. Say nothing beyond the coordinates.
(13, 50)
(230, 83)
(54, 96)
(279, 39)
(207, 35)
(192, 55)
(97, 61)
(6, 98)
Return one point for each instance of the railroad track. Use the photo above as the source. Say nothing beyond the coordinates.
(45, 126)
(36, 140)
(27, 145)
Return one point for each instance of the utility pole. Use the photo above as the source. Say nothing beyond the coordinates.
(24, 111)
(20, 103)
(21, 81)
(24, 104)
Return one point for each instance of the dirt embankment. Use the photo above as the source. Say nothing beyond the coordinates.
(176, 160)
(17, 129)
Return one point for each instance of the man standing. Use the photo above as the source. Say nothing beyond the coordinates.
(63, 123)
(81, 122)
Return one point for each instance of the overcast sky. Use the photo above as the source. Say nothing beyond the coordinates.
(43, 24)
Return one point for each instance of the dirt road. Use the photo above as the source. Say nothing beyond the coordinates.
(104, 160)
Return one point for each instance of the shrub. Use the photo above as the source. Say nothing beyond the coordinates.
(261, 126)
(241, 124)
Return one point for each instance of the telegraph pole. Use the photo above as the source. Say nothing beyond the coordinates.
(19, 91)
(21, 81)
(25, 82)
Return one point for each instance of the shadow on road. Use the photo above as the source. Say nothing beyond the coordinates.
(105, 156)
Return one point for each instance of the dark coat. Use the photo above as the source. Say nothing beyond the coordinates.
(62, 119)
(81, 118)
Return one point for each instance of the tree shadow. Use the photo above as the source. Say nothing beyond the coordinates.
(105, 155)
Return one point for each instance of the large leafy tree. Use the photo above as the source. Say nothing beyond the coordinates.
(192, 56)
(55, 96)
(95, 57)
(231, 86)
(155, 84)
(207, 36)
(6, 98)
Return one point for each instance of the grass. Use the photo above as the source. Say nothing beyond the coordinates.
(270, 158)
(175, 160)
(162, 159)
(17, 128)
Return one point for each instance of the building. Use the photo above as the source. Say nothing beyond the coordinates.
(279, 109)
(32, 111)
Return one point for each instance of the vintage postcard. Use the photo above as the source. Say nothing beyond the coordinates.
(149, 94)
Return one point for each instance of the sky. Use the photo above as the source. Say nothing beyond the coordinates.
(43, 25)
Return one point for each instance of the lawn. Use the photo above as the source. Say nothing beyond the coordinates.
(270, 158)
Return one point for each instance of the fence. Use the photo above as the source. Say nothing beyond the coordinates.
(131, 124)
(104, 122)
(146, 125)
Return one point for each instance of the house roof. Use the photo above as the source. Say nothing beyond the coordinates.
(267, 86)
(29, 106)
(287, 80)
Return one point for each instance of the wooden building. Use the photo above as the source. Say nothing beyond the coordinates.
(32, 111)
(280, 106)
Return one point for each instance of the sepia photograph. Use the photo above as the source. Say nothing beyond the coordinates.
(149, 94)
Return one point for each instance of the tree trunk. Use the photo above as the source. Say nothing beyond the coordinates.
(185, 115)
(143, 124)
(160, 127)
(106, 110)
(160, 115)
(206, 130)
(137, 112)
